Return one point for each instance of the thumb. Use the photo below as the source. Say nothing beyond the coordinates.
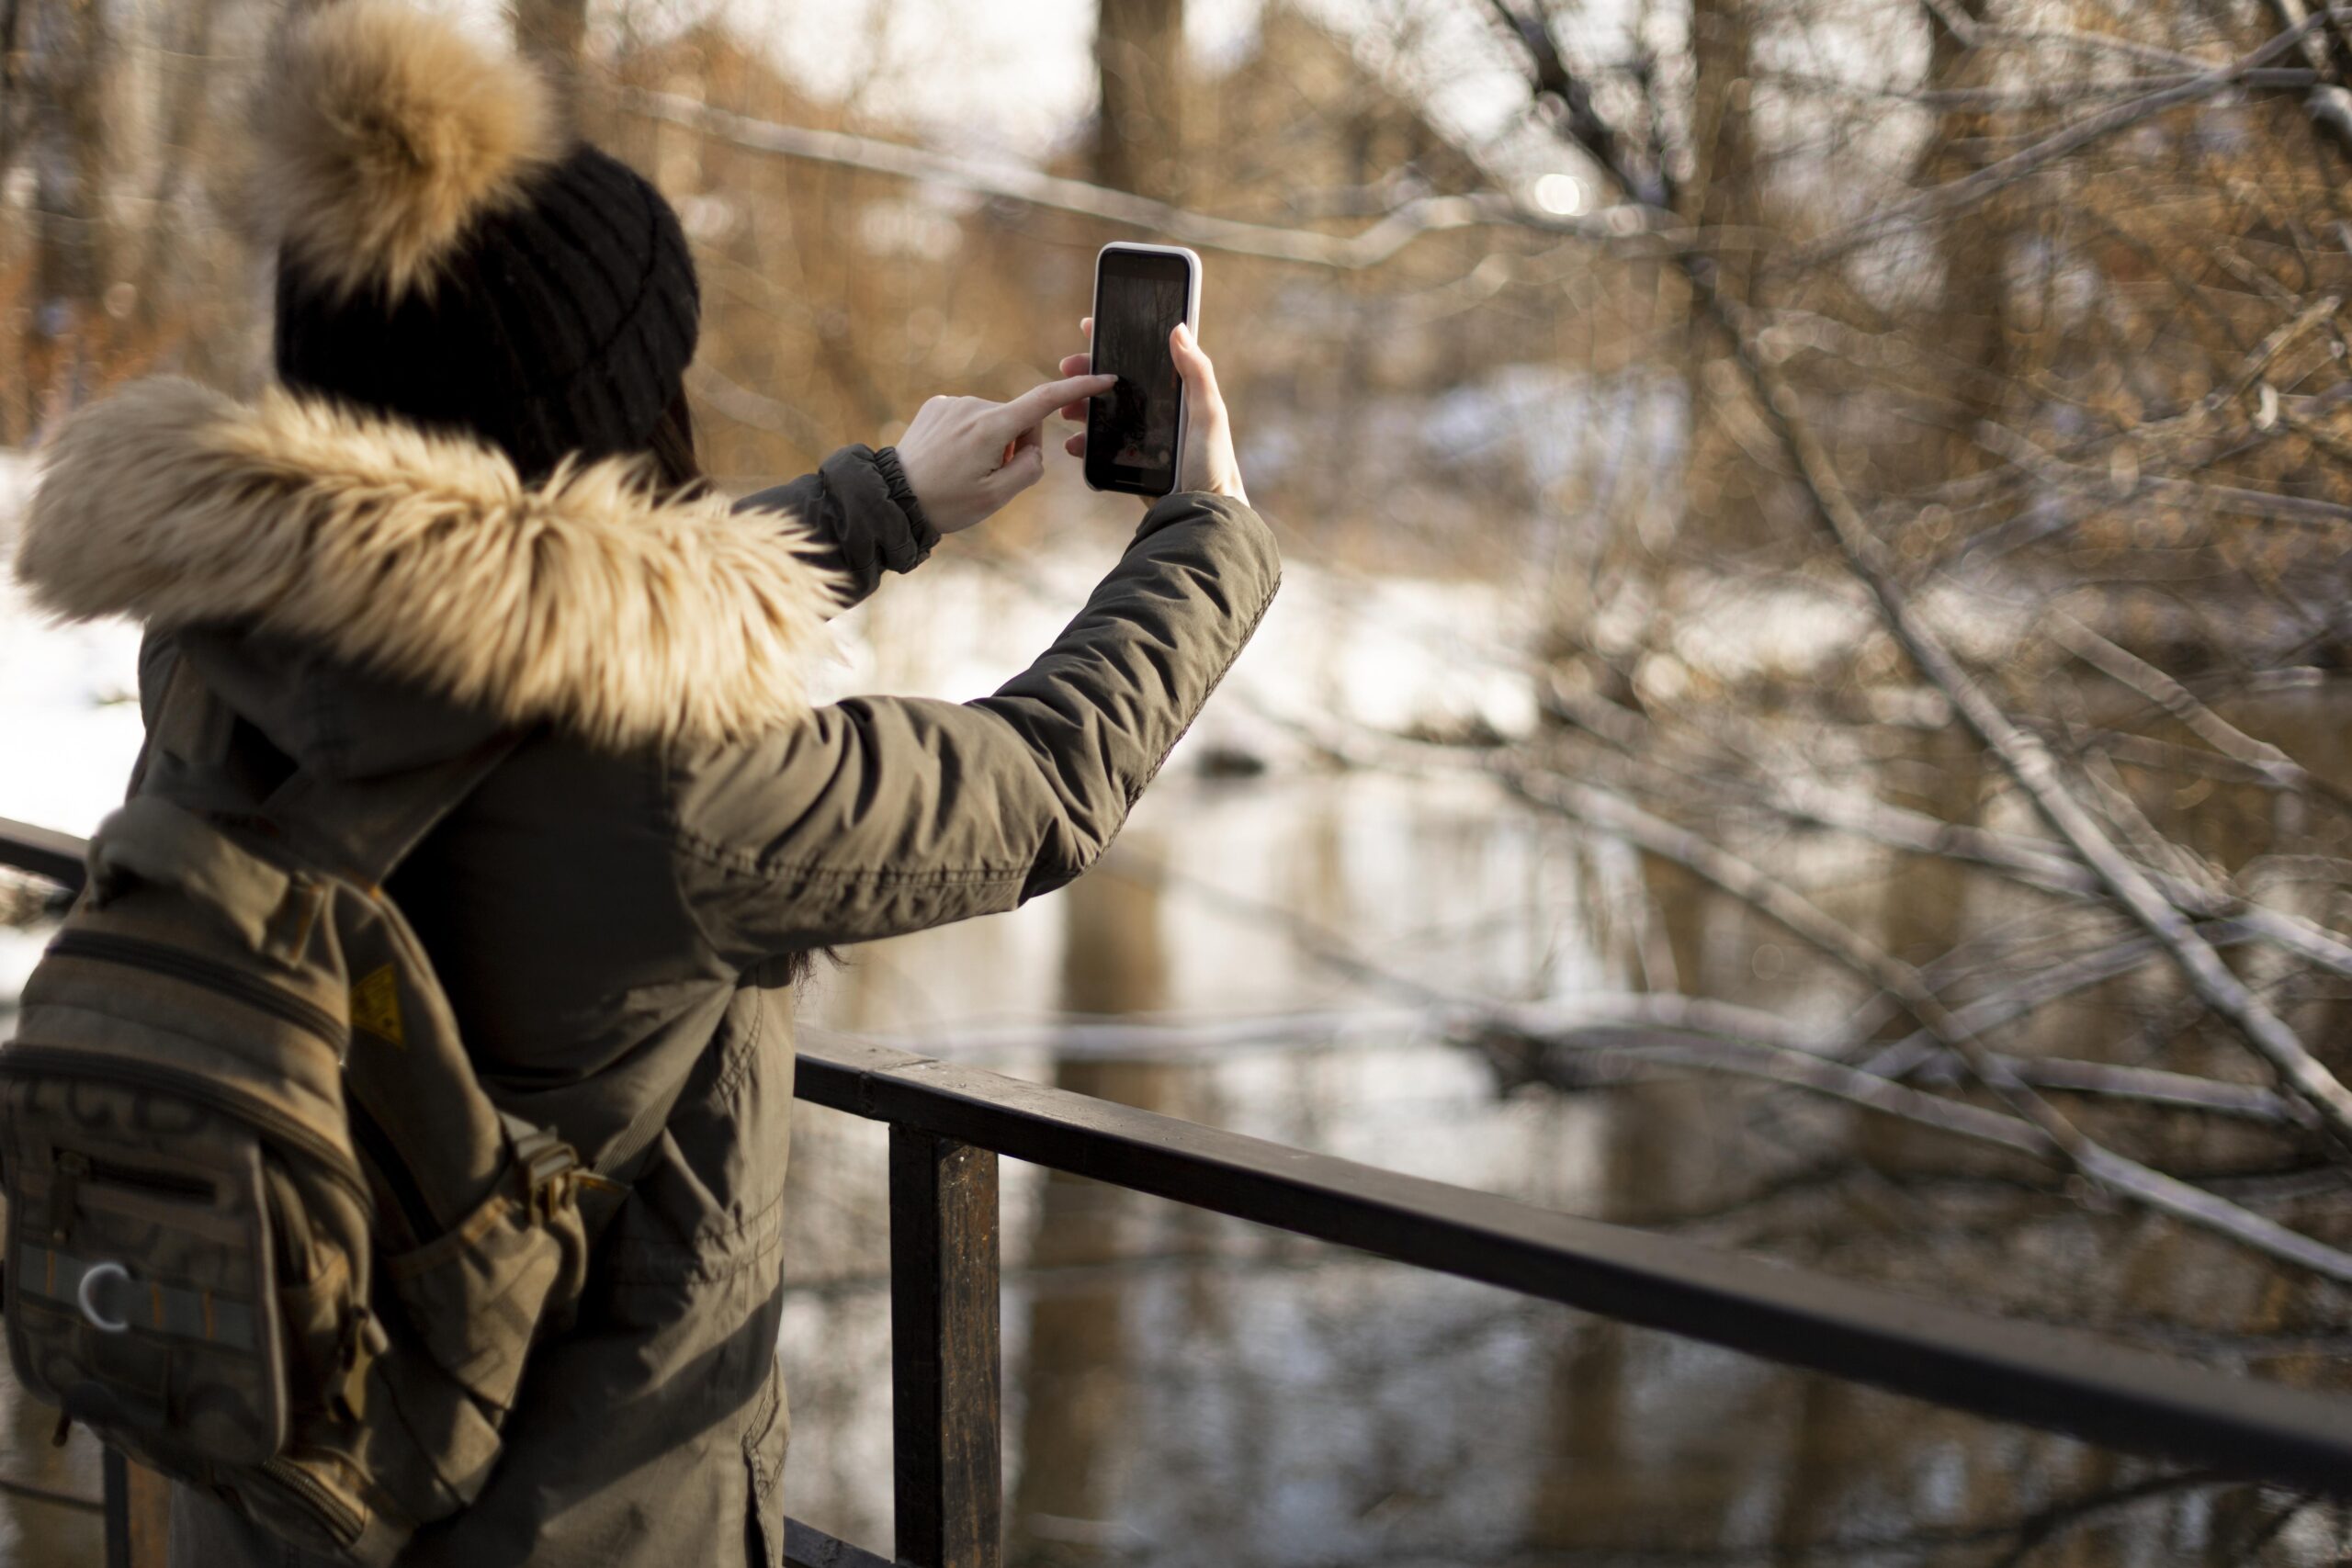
(1200, 376)
(1024, 468)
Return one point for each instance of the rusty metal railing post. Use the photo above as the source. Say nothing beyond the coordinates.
(114, 1492)
(137, 1505)
(944, 1365)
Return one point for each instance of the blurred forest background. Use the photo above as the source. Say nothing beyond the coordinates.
(1809, 710)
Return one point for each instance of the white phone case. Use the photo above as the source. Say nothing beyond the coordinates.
(1192, 317)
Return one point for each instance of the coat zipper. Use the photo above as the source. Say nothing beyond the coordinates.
(18, 1059)
(197, 970)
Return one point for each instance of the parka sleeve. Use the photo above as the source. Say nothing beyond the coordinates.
(866, 523)
(883, 815)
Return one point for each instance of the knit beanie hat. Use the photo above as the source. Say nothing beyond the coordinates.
(448, 255)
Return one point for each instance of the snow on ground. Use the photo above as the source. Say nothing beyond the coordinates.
(1392, 653)
(68, 717)
(1388, 652)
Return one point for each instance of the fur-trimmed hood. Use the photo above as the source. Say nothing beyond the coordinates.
(587, 603)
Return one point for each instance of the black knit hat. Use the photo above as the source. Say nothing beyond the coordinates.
(444, 258)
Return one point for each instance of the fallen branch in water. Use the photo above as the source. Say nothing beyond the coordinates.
(1633, 1021)
(1770, 1063)
(2060, 1137)
(1602, 1048)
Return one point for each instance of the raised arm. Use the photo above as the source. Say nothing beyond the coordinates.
(885, 814)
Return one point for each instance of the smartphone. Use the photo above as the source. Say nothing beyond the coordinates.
(1135, 433)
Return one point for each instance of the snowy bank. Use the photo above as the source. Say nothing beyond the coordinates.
(68, 714)
(1394, 653)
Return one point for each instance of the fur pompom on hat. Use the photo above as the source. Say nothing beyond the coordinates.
(448, 255)
(385, 134)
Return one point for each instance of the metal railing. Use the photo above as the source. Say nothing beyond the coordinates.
(949, 1123)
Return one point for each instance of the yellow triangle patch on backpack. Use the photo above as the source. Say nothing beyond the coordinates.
(376, 1005)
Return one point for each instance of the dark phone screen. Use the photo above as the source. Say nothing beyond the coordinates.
(1131, 431)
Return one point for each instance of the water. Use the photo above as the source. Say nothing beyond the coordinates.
(1281, 954)
(1184, 1389)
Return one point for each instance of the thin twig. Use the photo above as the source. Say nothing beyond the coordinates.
(2022, 754)
(2234, 500)
(1944, 199)
(759, 410)
(2122, 665)
(2038, 863)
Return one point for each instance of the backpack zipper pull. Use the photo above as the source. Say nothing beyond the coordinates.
(65, 1187)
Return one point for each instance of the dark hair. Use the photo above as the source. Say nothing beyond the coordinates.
(678, 469)
(673, 446)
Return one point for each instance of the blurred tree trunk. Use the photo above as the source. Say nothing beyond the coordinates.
(1076, 1431)
(14, 100)
(550, 32)
(1139, 135)
(187, 32)
(1973, 328)
(72, 55)
(1726, 487)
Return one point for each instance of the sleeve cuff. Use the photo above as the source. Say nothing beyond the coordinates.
(894, 478)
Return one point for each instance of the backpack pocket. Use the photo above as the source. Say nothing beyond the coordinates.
(480, 1295)
(141, 1282)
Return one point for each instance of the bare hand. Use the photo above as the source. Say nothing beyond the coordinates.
(965, 458)
(1208, 462)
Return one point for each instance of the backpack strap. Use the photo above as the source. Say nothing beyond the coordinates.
(366, 828)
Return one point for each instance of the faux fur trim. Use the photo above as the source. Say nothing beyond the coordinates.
(586, 602)
(383, 132)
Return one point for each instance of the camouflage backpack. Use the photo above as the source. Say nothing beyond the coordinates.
(267, 1233)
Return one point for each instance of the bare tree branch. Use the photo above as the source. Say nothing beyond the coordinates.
(1391, 233)
(1944, 199)
(2024, 756)
(2061, 1138)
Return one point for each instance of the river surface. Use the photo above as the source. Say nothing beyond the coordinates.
(1278, 949)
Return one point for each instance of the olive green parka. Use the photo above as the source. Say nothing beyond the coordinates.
(614, 911)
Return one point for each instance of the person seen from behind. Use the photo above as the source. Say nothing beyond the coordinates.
(469, 508)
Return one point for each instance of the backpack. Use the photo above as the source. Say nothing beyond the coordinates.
(267, 1232)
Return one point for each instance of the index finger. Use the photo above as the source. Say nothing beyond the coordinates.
(1031, 406)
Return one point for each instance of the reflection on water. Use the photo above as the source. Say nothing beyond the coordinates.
(1185, 1389)
(1074, 1406)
